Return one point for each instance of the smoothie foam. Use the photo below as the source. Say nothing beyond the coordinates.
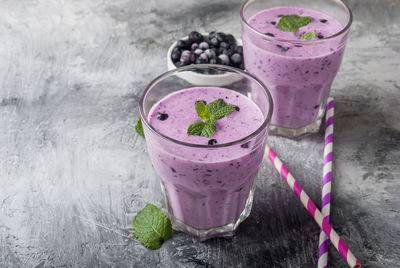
(206, 187)
(299, 76)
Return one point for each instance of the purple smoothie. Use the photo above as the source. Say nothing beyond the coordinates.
(298, 73)
(206, 187)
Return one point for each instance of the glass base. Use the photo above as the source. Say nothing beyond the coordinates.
(227, 230)
(313, 127)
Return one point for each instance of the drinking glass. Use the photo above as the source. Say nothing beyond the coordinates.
(208, 189)
(299, 82)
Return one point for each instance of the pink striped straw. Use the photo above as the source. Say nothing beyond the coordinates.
(312, 209)
(326, 183)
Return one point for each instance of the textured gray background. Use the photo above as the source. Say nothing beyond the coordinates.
(73, 173)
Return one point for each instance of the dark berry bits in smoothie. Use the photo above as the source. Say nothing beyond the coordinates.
(162, 116)
(203, 101)
(212, 142)
(245, 145)
(273, 22)
(323, 20)
(320, 36)
(270, 34)
(237, 108)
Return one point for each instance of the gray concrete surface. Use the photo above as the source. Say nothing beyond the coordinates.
(73, 173)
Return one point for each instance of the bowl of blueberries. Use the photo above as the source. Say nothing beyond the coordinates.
(207, 48)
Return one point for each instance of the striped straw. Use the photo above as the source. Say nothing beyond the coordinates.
(326, 183)
(312, 209)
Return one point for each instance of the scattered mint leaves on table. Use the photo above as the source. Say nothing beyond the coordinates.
(291, 23)
(209, 113)
(152, 227)
(139, 127)
(308, 36)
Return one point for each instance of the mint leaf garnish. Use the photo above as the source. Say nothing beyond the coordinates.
(210, 113)
(139, 127)
(292, 23)
(202, 111)
(220, 108)
(308, 36)
(152, 227)
(201, 129)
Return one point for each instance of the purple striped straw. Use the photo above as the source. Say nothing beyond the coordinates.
(326, 183)
(312, 209)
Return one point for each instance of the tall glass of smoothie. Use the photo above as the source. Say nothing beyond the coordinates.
(295, 48)
(207, 180)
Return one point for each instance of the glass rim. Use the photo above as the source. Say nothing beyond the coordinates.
(263, 126)
(269, 38)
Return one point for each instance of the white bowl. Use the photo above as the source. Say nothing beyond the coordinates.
(203, 79)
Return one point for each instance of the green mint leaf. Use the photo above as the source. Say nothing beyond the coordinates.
(202, 111)
(292, 23)
(216, 105)
(308, 36)
(195, 129)
(224, 111)
(219, 108)
(152, 227)
(201, 129)
(139, 127)
(208, 130)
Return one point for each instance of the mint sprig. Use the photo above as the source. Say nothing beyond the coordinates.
(152, 227)
(291, 23)
(139, 127)
(209, 113)
(308, 36)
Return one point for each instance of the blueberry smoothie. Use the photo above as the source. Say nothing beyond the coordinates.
(298, 67)
(206, 187)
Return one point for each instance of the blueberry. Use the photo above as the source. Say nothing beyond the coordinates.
(232, 47)
(194, 46)
(210, 53)
(323, 20)
(211, 35)
(185, 57)
(193, 57)
(204, 56)
(198, 51)
(273, 22)
(236, 59)
(195, 37)
(239, 49)
(175, 56)
(270, 34)
(237, 108)
(213, 61)
(230, 39)
(177, 49)
(212, 142)
(178, 64)
(320, 36)
(203, 45)
(284, 49)
(224, 59)
(203, 101)
(182, 44)
(220, 36)
(245, 145)
(214, 42)
(162, 116)
(223, 45)
(215, 51)
(200, 60)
